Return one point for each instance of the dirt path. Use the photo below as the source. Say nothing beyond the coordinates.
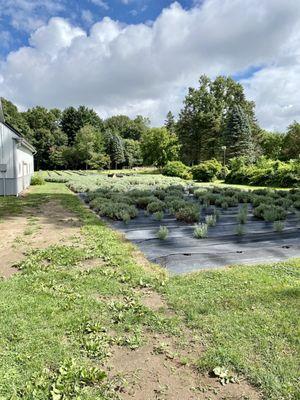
(164, 368)
(47, 225)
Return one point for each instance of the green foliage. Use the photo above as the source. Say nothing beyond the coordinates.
(291, 142)
(162, 233)
(176, 168)
(278, 226)
(200, 231)
(159, 146)
(155, 206)
(65, 383)
(206, 171)
(211, 220)
(204, 115)
(240, 230)
(238, 135)
(188, 213)
(269, 212)
(115, 148)
(264, 173)
(243, 214)
(37, 179)
(159, 215)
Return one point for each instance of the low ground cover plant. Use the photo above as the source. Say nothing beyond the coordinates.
(189, 213)
(162, 233)
(200, 231)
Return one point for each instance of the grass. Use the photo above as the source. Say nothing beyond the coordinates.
(249, 320)
(55, 335)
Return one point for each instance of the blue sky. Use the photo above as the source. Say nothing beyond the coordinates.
(18, 20)
(140, 56)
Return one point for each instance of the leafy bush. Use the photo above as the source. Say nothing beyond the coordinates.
(211, 220)
(200, 231)
(239, 230)
(163, 233)
(159, 215)
(176, 168)
(207, 171)
(188, 213)
(142, 202)
(37, 179)
(269, 212)
(118, 211)
(278, 226)
(155, 206)
(265, 173)
(243, 214)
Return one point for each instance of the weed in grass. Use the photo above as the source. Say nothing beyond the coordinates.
(163, 233)
(200, 231)
(159, 215)
(278, 226)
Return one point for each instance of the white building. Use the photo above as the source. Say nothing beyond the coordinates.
(16, 159)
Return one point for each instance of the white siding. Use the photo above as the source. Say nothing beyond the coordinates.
(7, 149)
(19, 161)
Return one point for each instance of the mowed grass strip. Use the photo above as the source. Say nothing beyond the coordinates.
(55, 332)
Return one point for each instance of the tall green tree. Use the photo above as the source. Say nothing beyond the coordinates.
(127, 128)
(73, 120)
(132, 153)
(271, 144)
(170, 123)
(291, 142)
(16, 119)
(238, 135)
(115, 148)
(159, 146)
(89, 143)
(204, 117)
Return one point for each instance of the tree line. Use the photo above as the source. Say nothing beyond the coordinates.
(216, 120)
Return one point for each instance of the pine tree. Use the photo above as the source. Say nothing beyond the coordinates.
(170, 123)
(115, 149)
(238, 136)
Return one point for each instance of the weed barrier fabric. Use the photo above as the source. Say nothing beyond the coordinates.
(182, 253)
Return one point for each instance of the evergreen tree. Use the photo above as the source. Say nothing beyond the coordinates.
(204, 116)
(115, 148)
(170, 123)
(238, 136)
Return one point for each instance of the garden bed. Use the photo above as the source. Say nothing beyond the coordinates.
(186, 228)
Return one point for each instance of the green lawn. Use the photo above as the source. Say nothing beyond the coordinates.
(54, 333)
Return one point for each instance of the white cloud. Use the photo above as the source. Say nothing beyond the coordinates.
(100, 3)
(144, 68)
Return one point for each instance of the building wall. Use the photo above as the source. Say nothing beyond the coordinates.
(19, 162)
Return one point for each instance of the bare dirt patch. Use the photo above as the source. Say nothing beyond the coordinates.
(157, 371)
(39, 227)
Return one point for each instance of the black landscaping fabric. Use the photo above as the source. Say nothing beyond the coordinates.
(181, 252)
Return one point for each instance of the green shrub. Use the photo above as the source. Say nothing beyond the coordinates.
(269, 212)
(37, 179)
(188, 213)
(177, 168)
(243, 214)
(155, 206)
(239, 230)
(278, 226)
(174, 204)
(200, 231)
(211, 220)
(162, 233)
(159, 215)
(207, 171)
(142, 202)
